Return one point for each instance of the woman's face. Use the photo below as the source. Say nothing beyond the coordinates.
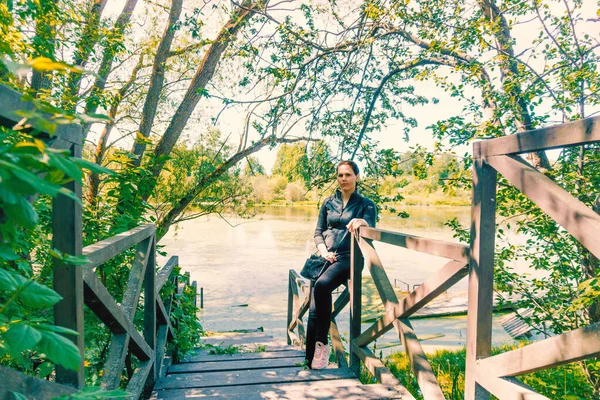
(346, 178)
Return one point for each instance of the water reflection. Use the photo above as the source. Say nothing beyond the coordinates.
(244, 269)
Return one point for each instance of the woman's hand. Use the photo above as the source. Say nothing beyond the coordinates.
(329, 256)
(356, 223)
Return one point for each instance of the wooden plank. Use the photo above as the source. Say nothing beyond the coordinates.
(290, 387)
(106, 308)
(375, 366)
(117, 349)
(567, 347)
(236, 365)
(150, 320)
(508, 388)
(236, 378)
(445, 278)
(453, 251)
(243, 356)
(162, 335)
(337, 346)
(355, 288)
(290, 310)
(564, 135)
(104, 250)
(10, 107)
(239, 339)
(481, 274)
(163, 274)
(577, 218)
(137, 383)
(380, 278)
(115, 361)
(419, 364)
(68, 279)
(341, 302)
(33, 388)
(365, 392)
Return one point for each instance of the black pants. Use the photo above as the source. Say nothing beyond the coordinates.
(319, 314)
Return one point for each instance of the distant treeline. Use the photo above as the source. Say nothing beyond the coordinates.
(418, 180)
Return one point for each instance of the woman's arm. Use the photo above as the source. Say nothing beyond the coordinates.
(319, 239)
(369, 217)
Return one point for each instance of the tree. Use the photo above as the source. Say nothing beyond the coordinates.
(291, 162)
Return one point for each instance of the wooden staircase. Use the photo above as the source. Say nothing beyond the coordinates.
(264, 369)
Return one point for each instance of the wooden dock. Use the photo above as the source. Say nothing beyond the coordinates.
(264, 369)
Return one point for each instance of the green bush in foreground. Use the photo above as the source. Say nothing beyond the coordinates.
(563, 382)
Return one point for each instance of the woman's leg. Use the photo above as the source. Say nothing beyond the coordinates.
(311, 328)
(337, 274)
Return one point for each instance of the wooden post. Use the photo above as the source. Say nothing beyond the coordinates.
(481, 274)
(355, 288)
(150, 312)
(68, 279)
(290, 313)
(201, 297)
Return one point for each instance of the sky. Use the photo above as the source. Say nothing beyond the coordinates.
(391, 136)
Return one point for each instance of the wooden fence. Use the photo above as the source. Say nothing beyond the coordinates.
(80, 285)
(485, 374)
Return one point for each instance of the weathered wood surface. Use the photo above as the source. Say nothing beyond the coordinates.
(33, 388)
(265, 375)
(236, 365)
(243, 356)
(453, 251)
(567, 347)
(577, 218)
(481, 274)
(348, 389)
(564, 135)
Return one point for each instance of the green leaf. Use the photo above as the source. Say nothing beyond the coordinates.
(7, 195)
(17, 396)
(56, 329)
(7, 253)
(93, 167)
(8, 281)
(21, 337)
(39, 296)
(31, 179)
(44, 369)
(22, 213)
(60, 350)
(65, 165)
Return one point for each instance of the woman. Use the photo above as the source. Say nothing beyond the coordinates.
(341, 213)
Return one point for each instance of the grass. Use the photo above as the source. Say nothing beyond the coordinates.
(564, 382)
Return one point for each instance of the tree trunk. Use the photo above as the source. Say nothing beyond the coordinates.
(44, 45)
(203, 75)
(93, 186)
(510, 73)
(156, 81)
(108, 57)
(89, 38)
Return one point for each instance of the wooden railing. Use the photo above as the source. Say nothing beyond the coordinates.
(398, 311)
(79, 286)
(485, 374)
(495, 374)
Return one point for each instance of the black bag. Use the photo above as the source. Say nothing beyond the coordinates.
(314, 266)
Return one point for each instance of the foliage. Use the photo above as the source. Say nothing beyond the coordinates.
(184, 320)
(29, 167)
(566, 381)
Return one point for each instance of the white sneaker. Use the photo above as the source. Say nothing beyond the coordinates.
(321, 357)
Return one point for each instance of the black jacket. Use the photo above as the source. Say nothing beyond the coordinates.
(333, 218)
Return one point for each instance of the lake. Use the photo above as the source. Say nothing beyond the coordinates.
(243, 266)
